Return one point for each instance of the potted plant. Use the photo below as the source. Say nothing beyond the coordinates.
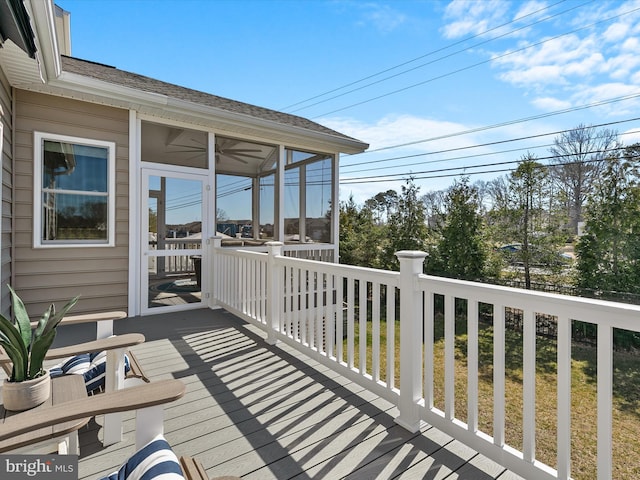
(29, 384)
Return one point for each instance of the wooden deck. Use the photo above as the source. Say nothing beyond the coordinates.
(263, 412)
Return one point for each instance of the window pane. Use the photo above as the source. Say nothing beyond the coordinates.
(234, 206)
(292, 205)
(267, 205)
(74, 217)
(318, 214)
(75, 167)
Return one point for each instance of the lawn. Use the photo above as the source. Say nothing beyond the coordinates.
(626, 415)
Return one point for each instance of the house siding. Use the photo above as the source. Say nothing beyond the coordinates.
(6, 154)
(44, 275)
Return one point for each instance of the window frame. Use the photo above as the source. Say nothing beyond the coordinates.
(38, 151)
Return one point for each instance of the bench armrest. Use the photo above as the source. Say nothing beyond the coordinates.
(89, 318)
(110, 343)
(134, 398)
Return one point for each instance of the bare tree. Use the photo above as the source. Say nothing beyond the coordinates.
(433, 203)
(579, 160)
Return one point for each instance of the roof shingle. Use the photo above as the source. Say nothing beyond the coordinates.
(115, 76)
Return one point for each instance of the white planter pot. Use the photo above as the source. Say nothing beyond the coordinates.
(18, 396)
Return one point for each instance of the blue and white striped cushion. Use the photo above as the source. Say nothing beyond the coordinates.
(92, 366)
(154, 461)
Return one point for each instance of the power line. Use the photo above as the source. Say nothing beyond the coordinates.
(404, 176)
(507, 123)
(433, 52)
(445, 56)
(469, 67)
(478, 146)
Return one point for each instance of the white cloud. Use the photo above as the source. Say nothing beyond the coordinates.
(397, 130)
(382, 17)
(529, 9)
(615, 32)
(629, 137)
(605, 92)
(473, 17)
(550, 104)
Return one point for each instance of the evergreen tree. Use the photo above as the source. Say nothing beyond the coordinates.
(360, 236)
(460, 251)
(407, 227)
(609, 251)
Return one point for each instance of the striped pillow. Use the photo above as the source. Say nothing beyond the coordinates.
(92, 366)
(154, 461)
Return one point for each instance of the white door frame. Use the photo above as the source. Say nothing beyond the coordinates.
(184, 173)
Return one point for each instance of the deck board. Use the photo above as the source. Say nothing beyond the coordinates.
(264, 412)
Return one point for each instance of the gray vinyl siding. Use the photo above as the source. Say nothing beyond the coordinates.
(45, 275)
(7, 200)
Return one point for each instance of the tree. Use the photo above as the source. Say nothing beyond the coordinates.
(382, 205)
(460, 251)
(360, 237)
(407, 227)
(579, 158)
(529, 226)
(433, 204)
(609, 251)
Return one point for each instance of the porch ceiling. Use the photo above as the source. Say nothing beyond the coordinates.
(181, 146)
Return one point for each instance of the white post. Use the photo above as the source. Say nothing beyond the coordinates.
(212, 269)
(114, 380)
(274, 291)
(411, 335)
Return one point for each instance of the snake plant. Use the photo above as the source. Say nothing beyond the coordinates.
(26, 347)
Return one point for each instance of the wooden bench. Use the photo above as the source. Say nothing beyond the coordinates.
(147, 399)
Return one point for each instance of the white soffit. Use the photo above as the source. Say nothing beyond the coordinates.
(19, 68)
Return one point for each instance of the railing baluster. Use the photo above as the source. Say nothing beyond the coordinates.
(429, 321)
(339, 317)
(350, 320)
(362, 324)
(449, 356)
(472, 365)
(391, 336)
(529, 386)
(498, 375)
(564, 398)
(375, 333)
(605, 404)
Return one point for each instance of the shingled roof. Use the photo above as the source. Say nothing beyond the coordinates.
(115, 76)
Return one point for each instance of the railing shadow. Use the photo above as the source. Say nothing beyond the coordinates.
(300, 421)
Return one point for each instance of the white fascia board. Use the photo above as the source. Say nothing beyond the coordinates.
(42, 14)
(183, 106)
(132, 96)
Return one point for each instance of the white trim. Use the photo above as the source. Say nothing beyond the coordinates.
(135, 129)
(170, 171)
(335, 204)
(38, 138)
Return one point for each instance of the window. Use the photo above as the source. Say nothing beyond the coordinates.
(308, 197)
(74, 200)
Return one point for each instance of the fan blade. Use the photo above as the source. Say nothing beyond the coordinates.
(237, 159)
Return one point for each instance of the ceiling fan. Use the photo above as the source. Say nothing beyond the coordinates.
(220, 149)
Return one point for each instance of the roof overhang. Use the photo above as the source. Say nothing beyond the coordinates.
(169, 108)
(40, 61)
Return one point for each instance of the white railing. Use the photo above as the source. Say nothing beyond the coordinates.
(174, 263)
(329, 311)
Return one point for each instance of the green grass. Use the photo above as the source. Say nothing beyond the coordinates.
(626, 414)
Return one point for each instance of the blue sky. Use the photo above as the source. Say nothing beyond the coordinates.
(419, 76)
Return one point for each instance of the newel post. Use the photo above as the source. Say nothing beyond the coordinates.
(274, 291)
(410, 339)
(212, 269)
